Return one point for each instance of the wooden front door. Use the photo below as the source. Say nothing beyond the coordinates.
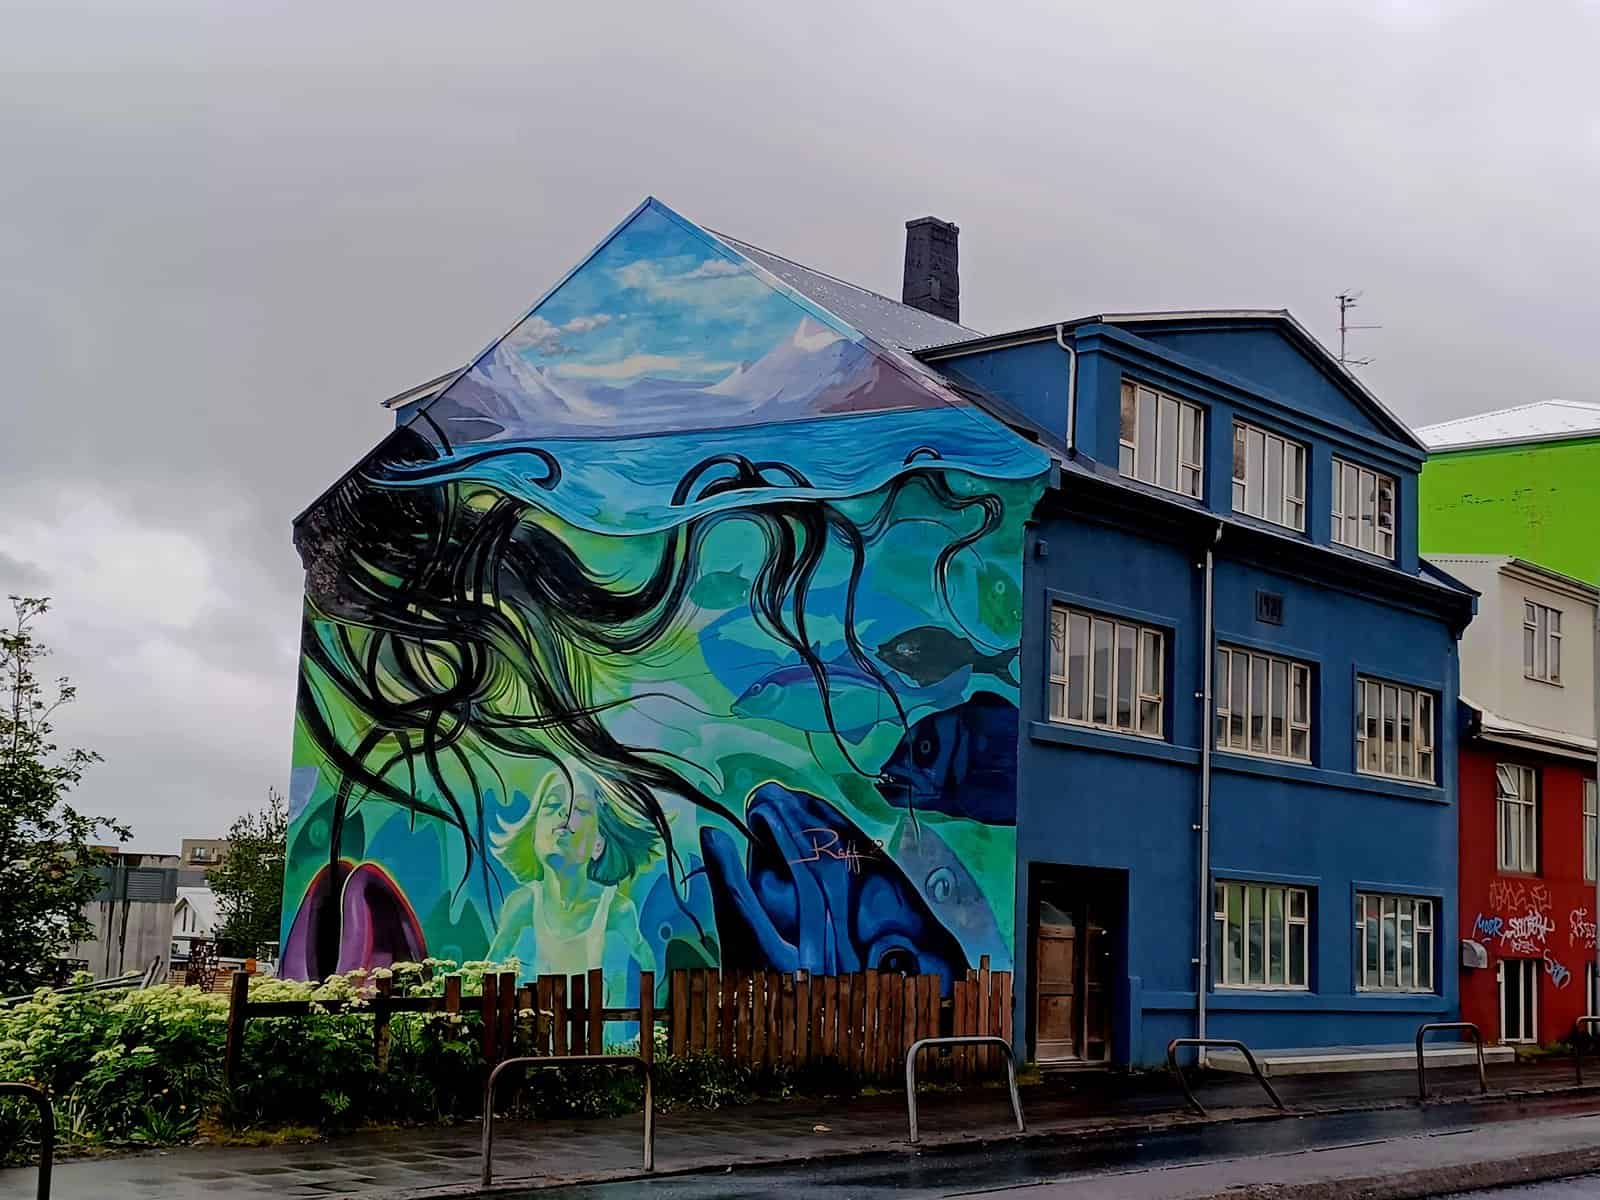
(1073, 953)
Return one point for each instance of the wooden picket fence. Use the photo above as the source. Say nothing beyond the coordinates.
(863, 1022)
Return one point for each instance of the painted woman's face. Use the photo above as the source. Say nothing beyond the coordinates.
(566, 831)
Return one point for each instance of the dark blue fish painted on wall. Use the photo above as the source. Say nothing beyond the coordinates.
(962, 762)
(813, 893)
(930, 653)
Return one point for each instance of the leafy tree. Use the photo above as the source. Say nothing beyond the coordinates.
(249, 881)
(49, 868)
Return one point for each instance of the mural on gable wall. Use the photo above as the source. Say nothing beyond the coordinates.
(682, 630)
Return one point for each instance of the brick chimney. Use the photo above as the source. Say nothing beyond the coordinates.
(932, 280)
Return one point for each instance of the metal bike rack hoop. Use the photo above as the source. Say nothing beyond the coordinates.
(571, 1060)
(970, 1040)
(1228, 1043)
(47, 1130)
(1430, 1027)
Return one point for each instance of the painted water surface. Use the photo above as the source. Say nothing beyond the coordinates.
(680, 631)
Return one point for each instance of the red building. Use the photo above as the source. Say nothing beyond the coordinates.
(1527, 801)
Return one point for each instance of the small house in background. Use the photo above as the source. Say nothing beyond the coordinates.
(194, 918)
(1528, 800)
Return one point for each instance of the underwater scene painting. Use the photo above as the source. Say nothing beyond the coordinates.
(680, 631)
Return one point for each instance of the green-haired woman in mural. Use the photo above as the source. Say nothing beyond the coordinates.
(569, 852)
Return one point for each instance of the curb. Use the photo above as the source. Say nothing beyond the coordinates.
(1375, 1189)
(1416, 1185)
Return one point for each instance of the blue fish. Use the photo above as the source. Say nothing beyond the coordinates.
(962, 762)
(792, 695)
(812, 893)
(949, 889)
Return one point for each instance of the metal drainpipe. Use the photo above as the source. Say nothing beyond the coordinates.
(1072, 390)
(1203, 959)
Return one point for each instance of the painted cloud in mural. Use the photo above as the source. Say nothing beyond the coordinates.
(681, 630)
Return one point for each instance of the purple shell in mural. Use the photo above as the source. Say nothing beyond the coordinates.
(377, 925)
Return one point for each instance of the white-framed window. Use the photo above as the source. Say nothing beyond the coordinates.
(1262, 935)
(1269, 476)
(1394, 731)
(1591, 832)
(1163, 439)
(1263, 705)
(1394, 939)
(1516, 818)
(1541, 642)
(1519, 999)
(1106, 672)
(1363, 508)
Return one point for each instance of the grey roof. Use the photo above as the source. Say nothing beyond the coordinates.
(883, 320)
(1544, 421)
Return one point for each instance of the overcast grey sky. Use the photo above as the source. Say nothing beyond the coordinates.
(228, 230)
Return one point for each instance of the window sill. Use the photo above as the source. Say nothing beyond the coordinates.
(1108, 741)
(1261, 756)
(1244, 764)
(1555, 683)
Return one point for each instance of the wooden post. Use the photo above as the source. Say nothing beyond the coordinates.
(558, 1011)
(578, 1004)
(380, 1023)
(747, 1018)
(544, 992)
(647, 1016)
(803, 1017)
(869, 1027)
(830, 1017)
(238, 1014)
(985, 1055)
(491, 1018)
(508, 1014)
(678, 999)
(727, 998)
(597, 1015)
(787, 1021)
(847, 1016)
(452, 993)
(758, 1019)
(697, 1011)
(529, 1026)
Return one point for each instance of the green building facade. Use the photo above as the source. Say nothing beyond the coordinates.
(1522, 481)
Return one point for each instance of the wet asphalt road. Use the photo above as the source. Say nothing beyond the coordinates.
(958, 1171)
(1587, 1187)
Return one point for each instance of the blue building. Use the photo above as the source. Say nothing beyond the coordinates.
(1237, 769)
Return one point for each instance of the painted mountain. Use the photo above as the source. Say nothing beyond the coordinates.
(814, 371)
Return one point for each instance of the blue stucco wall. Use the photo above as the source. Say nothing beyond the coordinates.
(1089, 798)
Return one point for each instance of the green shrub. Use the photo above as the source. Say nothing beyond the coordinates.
(145, 1067)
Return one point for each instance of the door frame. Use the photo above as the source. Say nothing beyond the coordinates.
(1114, 883)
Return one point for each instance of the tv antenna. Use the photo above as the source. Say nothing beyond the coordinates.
(1347, 300)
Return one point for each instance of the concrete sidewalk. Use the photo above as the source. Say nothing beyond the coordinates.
(386, 1164)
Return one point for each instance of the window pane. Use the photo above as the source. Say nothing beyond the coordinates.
(1255, 452)
(1145, 458)
(1275, 931)
(1255, 949)
(1100, 686)
(1130, 415)
(1529, 634)
(1258, 703)
(1274, 488)
(1167, 445)
(1374, 713)
(1296, 471)
(1127, 653)
(1390, 730)
(1368, 497)
(1425, 960)
(1408, 945)
(1195, 443)
(1235, 955)
(1389, 942)
(1221, 686)
(1077, 667)
(1152, 665)
(1407, 766)
(1555, 660)
(1297, 955)
(1237, 700)
(1279, 705)
(1239, 472)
